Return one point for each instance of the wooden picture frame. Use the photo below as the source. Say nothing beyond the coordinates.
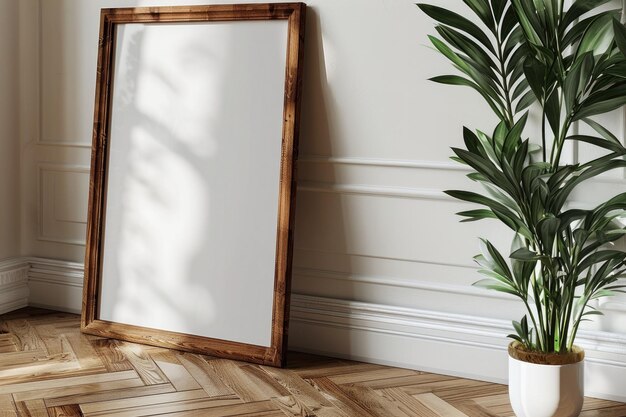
(91, 321)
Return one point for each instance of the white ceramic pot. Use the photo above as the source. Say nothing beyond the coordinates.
(537, 390)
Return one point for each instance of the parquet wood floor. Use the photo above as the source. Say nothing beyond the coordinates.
(49, 369)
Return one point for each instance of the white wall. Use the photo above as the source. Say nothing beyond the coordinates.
(382, 266)
(13, 270)
(9, 130)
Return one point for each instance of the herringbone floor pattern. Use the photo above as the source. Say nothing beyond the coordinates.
(49, 369)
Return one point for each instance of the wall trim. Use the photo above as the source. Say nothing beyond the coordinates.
(432, 341)
(374, 190)
(389, 258)
(383, 317)
(55, 284)
(613, 305)
(387, 163)
(68, 144)
(43, 167)
(438, 342)
(427, 164)
(402, 283)
(56, 272)
(14, 292)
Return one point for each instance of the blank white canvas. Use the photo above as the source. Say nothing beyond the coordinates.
(193, 178)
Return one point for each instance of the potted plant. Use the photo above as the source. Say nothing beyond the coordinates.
(566, 65)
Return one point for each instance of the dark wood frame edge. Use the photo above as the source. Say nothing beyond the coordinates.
(276, 353)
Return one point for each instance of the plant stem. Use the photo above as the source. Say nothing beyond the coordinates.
(572, 336)
(532, 316)
(543, 133)
(573, 276)
(560, 142)
(538, 306)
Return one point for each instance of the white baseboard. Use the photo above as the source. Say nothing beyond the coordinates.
(56, 285)
(13, 284)
(466, 346)
(461, 345)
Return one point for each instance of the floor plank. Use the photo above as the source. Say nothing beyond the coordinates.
(7, 406)
(111, 394)
(72, 410)
(412, 406)
(148, 371)
(62, 382)
(71, 390)
(303, 393)
(178, 375)
(162, 408)
(439, 406)
(49, 369)
(32, 408)
(26, 336)
(375, 404)
(110, 405)
(340, 399)
(111, 357)
(204, 374)
(244, 383)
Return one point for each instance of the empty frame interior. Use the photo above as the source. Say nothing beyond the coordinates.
(192, 188)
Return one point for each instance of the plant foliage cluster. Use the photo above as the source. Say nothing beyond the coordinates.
(569, 64)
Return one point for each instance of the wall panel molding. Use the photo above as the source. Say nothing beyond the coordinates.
(68, 144)
(409, 260)
(385, 163)
(372, 190)
(401, 283)
(48, 215)
(40, 135)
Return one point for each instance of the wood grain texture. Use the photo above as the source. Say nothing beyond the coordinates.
(7, 406)
(273, 355)
(128, 380)
(8, 343)
(241, 381)
(76, 390)
(111, 357)
(32, 408)
(175, 372)
(148, 371)
(109, 392)
(205, 375)
(65, 411)
(26, 336)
